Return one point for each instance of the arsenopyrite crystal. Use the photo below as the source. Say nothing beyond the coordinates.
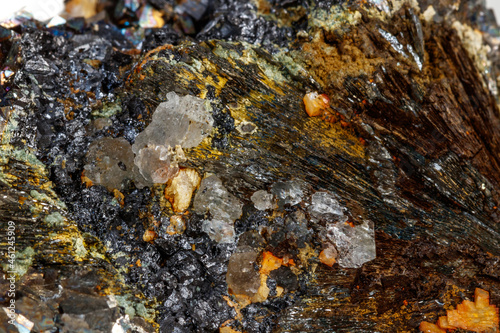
(109, 162)
(356, 245)
(325, 206)
(262, 200)
(224, 209)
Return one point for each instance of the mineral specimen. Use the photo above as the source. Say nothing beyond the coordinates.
(477, 316)
(328, 256)
(316, 104)
(325, 206)
(243, 280)
(156, 163)
(179, 122)
(290, 192)
(183, 121)
(181, 189)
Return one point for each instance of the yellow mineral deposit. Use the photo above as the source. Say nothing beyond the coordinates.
(180, 190)
(177, 225)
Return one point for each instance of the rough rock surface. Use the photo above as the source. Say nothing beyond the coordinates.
(374, 214)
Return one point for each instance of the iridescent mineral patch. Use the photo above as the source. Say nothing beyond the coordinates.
(224, 208)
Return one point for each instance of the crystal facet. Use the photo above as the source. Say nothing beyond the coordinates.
(355, 244)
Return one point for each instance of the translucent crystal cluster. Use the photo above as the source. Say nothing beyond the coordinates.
(183, 121)
(355, 244)
(155, 164)
(224, 209)
(290, 192)
(181, 189)
(180, 122)
(262, 200)
(324, 205)
(349, 245)
(242, 278)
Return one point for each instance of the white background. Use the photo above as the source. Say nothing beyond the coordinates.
(45, 9)
(495, 5)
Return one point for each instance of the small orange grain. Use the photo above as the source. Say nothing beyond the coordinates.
(430, 328)
(326, 258)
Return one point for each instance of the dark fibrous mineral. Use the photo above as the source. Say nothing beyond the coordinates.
(251, 166)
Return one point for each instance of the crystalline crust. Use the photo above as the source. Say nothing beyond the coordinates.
(262, 200)
(181, 122)
(109, 162)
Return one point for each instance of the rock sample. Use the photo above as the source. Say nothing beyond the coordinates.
(242, 278)
(325, 206)
(156, 164)
(289, 192)
(262, 200)
(181, 189)
(183, 121)
(348, 150)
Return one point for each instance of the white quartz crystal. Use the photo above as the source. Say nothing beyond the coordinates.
(262, 200)
(355, 244)
(324, 205)
(183, 121)
(289, 192)
(180, 122)
(155, 164)
(224, 209)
